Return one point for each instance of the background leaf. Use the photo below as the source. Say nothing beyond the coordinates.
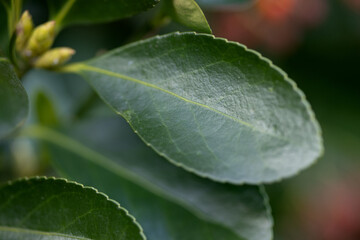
(210, 106)
(94, 11)
(169, 202)
(46, 208)
(13, 99)
(188, 13)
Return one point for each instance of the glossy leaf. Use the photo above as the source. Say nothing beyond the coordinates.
(210, 106)
(188, 13)
(168, 202)
(13, 99)
(68, 12)
(49, 209)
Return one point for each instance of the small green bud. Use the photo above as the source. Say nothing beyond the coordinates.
(54, 57)
(24, 29)
(41, 39)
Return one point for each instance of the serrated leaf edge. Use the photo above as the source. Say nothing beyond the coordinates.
(64, 180)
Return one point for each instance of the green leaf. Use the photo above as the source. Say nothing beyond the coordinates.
(48, 208)
(68, 12)
(13, 100)
(168, 202)
(188, 13)
(210, 106)
(45, 111)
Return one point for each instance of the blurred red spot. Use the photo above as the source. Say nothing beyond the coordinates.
(275, 10)
(333, 213)
(276, 26)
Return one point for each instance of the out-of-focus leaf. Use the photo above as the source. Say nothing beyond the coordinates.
(187, 13)
(210, 106)
(55, 209)
(46, 114)
(68, 12)
(64, 94)
(168, 202)
(13, 99)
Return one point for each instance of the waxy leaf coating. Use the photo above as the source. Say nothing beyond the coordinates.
(13, 99)
(55, 209)
(210, 106)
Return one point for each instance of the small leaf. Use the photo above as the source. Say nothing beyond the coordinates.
(188, 13)
(168, 202)
(54, 209)
(210, 106)
(13, 100)
(69, 12)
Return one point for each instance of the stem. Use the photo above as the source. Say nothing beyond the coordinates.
(14, 14)
(62, 13)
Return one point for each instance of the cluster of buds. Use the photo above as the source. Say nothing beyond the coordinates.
(33, 44)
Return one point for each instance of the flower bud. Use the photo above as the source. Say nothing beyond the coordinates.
(41, 39)
(24, 29)
(54, 57)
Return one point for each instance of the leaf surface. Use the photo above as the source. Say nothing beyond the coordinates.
(13, 100)
(210, 106)
(55, 209)
(70, 12)
(168, 202)
(187, 13)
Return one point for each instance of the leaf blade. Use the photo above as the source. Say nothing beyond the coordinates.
(13, 97)
(30, 208)
(210, 106)
(132, 174)
(187, 13)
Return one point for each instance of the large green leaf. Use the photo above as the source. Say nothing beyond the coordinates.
(188, 13)
(168, 202)
(13, 99)
(210, 106)
(67, 12)
(49, 209)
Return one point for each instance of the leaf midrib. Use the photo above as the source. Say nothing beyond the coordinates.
(37, 232)
(79, 67)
